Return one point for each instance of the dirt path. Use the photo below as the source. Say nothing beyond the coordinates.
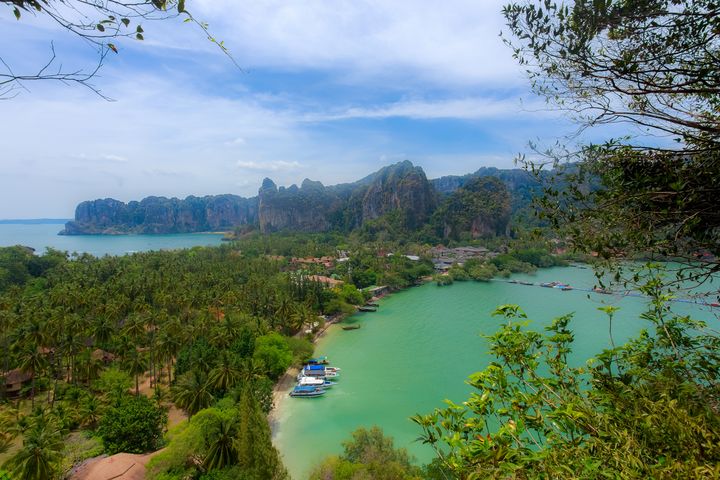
(123, 466)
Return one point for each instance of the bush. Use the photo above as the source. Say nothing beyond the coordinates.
(134, 426)
(370, 454)
(302, 349)
(273, 350)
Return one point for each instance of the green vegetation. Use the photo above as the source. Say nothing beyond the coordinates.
(645, 64)
(636, 411)
(90, 339)
(135, 425)
(229, 440)
(369, 454)
(480, 208)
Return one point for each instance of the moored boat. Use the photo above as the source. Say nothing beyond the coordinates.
(318, 371)
(307, 391)
(315, 382)
(318, 361)
(367, 309)
(350, 327)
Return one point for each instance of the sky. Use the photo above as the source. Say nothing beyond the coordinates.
(330, 90)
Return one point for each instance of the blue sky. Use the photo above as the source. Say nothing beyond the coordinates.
(330, 90)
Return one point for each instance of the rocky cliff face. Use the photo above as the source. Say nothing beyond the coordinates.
(309, 208)
(480, 208)
(316, 208)
(162, 215)
(401, 189)
(521, 185)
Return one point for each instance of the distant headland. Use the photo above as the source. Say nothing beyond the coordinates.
(401, 189)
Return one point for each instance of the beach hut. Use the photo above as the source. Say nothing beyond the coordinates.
(14, 381)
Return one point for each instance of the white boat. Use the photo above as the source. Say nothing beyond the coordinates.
(315, 382)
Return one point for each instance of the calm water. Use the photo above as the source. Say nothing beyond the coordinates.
(419, 348)
(42, 236)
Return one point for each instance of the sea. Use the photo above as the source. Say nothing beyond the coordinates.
(41, 235)
(421, 345)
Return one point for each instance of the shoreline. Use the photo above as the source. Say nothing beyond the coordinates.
(286, 381)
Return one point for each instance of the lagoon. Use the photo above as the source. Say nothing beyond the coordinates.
(41, 236)
(421, 345)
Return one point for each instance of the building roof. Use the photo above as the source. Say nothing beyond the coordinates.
(325, 280)
(16, 376)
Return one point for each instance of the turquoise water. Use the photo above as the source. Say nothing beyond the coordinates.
(42, 236)
(421, 345)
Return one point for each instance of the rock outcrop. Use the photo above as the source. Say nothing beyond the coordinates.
(162, 215)
(401, 190)
(480, 208)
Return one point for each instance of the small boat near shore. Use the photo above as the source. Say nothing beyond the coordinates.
(350, 327)
(318, 361)
(307, 391)
(367, 308)
(320, 371)
(315, 382)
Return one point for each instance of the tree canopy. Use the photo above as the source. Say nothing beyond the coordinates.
(651, 65)
(103, 25)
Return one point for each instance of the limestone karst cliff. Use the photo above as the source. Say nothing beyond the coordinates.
(402, 189)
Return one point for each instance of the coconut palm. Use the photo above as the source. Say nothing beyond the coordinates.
(40, 455)
(226, 374)
(223, 449)
(32, 361)
(90, 411)
(136, 365)
(192, 393)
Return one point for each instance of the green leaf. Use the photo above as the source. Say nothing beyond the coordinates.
(181, 6)
(16, 11)
(100, 27)
(139, 29)
(139, 36)
(125, 21)
(112, 47)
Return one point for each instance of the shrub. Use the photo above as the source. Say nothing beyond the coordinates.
(134, 426)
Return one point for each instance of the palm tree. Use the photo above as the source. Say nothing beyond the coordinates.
(136, 365)
(223, 450)
(32, 361)
(192, 393)
(90, 411)
(251, 370)
(7, 434)
(225, 375)
(40, 454)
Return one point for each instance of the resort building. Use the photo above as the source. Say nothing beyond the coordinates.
(443, 258)
(327, 281)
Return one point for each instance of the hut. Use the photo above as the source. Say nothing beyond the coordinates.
(14, 381)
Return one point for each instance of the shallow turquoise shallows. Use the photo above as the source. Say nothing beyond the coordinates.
(42, 236)
(421, 345)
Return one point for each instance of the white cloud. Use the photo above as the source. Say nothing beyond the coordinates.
(236, 141)
(459, 108)
(400, 43)
(272, 166)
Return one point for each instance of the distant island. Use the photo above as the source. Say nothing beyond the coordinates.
(401, 189)
(33, 221)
